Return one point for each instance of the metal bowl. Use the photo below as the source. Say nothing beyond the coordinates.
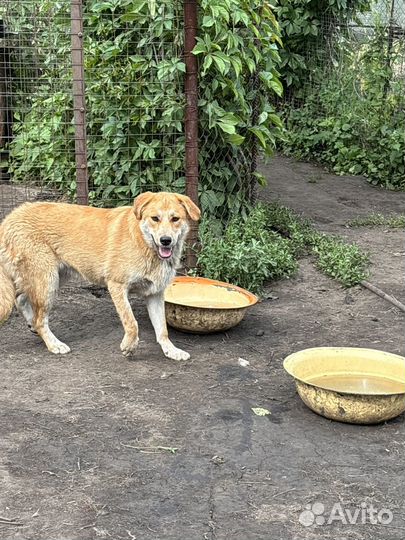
(358, 386)
(202, 306)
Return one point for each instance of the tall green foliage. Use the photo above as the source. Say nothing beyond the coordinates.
(134, 75)
(344, 101)
(303, 37)
(353, 119)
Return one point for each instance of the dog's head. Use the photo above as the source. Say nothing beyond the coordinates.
(164, 220)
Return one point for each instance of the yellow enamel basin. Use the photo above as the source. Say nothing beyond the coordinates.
(355, 385)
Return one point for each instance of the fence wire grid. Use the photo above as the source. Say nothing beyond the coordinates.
(134, 77)
(130, 131)
(135, 101)
(344, 49)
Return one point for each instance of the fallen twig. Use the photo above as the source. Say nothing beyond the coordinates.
(151, 449)
(282, 493)
(384, 295)
(89, 526)
(50, 473)
(11, 523)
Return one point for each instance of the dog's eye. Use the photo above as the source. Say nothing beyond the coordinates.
(174, 219)
(155, 218)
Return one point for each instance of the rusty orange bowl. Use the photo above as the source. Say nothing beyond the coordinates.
(202, 306)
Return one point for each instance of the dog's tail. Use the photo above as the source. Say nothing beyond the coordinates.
(7, 294)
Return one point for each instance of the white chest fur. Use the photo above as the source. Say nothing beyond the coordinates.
(152, 282)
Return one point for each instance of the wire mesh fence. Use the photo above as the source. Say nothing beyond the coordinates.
(34, 100)
(121, 130)
(347, 109)
(133, 93)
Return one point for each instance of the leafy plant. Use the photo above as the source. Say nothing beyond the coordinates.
(339, 260)
(266, 245)
(247, 253)
(303, 28)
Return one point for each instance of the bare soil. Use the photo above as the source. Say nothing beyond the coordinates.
(88, 440)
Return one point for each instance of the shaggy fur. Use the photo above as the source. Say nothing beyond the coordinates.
(130, 248)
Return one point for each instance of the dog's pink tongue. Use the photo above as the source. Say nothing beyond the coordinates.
(165, 252)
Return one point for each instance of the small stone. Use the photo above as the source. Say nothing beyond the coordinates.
(243, 363)
(260, 333)
(217, 460)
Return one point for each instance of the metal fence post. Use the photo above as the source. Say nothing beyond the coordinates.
(79, 103)
(191, 118)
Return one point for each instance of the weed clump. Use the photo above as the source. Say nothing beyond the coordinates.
(266, 246)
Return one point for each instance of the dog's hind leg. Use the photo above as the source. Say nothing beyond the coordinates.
(40, 286)
(25, 308)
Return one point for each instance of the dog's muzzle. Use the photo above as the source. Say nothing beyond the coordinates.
(165, 247)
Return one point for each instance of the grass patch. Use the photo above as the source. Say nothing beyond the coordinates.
(340, 260)
(267, 244)
(395, 221)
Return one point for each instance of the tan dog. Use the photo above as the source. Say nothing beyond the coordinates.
(129, 248)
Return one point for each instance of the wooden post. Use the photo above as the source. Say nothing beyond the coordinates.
(79, 102)
(191, 119)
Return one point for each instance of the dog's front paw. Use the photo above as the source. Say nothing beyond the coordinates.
(57, 347)
(174, 353)
(128, 345)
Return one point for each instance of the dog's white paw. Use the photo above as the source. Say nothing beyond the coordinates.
(128, 345)
(57, 347)
(174, 353)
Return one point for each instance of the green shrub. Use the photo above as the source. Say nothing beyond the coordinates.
(247, 253)
(266, 245)
(339, 260)
(392, 221)
(303, 28)
(361, 142)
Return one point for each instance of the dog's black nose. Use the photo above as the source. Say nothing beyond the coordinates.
(165, 240)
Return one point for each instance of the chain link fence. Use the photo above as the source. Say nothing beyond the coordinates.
(35, 111)
(92, 102)
(346, 47)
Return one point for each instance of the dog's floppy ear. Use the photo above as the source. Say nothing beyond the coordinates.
(192, 209)
(141, 202)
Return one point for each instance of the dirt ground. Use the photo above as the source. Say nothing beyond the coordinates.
(82, 436)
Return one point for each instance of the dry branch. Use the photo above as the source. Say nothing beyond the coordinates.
(384, 295)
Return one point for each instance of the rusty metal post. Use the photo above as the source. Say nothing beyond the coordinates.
(191, 118)
(252, 188)
(79, 102)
